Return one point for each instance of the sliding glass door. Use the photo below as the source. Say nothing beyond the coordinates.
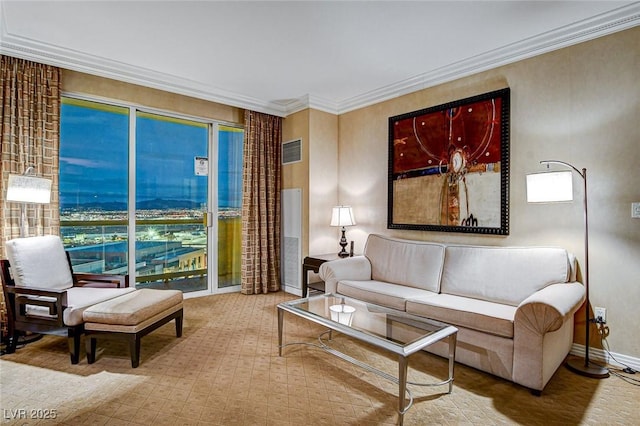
(151, 194)
(93, 185)
(229, 173)
(171, 202)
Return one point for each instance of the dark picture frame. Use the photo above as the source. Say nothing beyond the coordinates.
(449, 166)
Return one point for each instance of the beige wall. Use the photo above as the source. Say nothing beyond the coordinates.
(580, 104)
(296, 175)
(323, 182)
(316, 175)
(89, 85)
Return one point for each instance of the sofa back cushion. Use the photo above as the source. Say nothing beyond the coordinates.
(39, 262)
(411, 263)
(502, 274)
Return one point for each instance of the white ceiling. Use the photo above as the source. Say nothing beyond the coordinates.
(280, 57)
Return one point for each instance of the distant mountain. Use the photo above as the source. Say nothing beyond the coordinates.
(156, 204)
(160, 204)
(94, 205)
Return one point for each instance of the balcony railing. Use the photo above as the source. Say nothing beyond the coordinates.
(170, 253)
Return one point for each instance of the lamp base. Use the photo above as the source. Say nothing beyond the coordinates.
(343, 244)
(578, 366)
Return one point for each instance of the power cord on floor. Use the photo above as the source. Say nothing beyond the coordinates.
(603, 331)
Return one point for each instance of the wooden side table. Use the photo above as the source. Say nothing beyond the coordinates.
(312, 263)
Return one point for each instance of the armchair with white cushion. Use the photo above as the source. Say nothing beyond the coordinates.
(43, 295)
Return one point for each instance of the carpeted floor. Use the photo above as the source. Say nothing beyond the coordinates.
(225, 370)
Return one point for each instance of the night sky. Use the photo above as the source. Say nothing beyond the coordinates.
(94, 156)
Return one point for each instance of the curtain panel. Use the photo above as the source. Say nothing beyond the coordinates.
(30, 109)
(261, 182)
(29, 136)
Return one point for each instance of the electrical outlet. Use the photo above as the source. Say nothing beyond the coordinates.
(600, 314)
(635, 210)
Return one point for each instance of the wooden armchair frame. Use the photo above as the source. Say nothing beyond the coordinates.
(55, 300)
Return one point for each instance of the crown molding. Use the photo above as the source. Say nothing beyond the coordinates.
(310, 101)
(94, 65)
(598, 26)
(617, 20)
(38, 51)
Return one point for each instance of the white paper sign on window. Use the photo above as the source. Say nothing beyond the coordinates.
(201, 166)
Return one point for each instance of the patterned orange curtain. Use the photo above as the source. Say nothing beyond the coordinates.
(30, 128)
(29, 136)
(261, 203)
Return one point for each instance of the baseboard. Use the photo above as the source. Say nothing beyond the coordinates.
(292, 290)
(600, 355)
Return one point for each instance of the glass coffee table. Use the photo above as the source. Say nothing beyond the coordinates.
(395, 331)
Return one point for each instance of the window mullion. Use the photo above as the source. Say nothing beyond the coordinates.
(131, 202)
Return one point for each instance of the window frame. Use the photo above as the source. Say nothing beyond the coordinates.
(212, 203)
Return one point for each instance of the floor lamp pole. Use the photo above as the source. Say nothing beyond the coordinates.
(24, 222)
(584, 367)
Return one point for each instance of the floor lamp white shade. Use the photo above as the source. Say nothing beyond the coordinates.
(26, 189)
(549, 187)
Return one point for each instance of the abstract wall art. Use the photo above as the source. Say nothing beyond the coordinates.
(449, 166)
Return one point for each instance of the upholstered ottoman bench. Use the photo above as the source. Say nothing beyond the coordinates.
(130, 317)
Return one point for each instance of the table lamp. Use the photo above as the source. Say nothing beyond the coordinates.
(342, 216)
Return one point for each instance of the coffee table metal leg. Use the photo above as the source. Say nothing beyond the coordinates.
(452, 358)
(402, 387)
(280, 320)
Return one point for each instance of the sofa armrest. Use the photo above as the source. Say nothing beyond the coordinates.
(100, 280)
(547, 309)
(54, 300)
(350, 268)
(543, 332)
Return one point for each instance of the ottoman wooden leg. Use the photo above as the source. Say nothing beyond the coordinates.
(134, 348)
(179, 325)
(74, 345)
(90, 344)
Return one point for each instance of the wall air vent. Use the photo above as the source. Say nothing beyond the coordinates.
(291, 256)
(292, 151)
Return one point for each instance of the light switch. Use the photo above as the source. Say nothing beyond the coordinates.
(635, 210)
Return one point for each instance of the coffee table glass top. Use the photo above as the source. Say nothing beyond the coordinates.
(394, 330)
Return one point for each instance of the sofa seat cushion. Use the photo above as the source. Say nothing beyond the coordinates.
(480, 315)
(78, 299)
(133, 308)
(382, 293)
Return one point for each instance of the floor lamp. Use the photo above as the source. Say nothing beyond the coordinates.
(25, 189)
(550, 187)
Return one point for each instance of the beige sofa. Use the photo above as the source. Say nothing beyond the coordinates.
(513, 306)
